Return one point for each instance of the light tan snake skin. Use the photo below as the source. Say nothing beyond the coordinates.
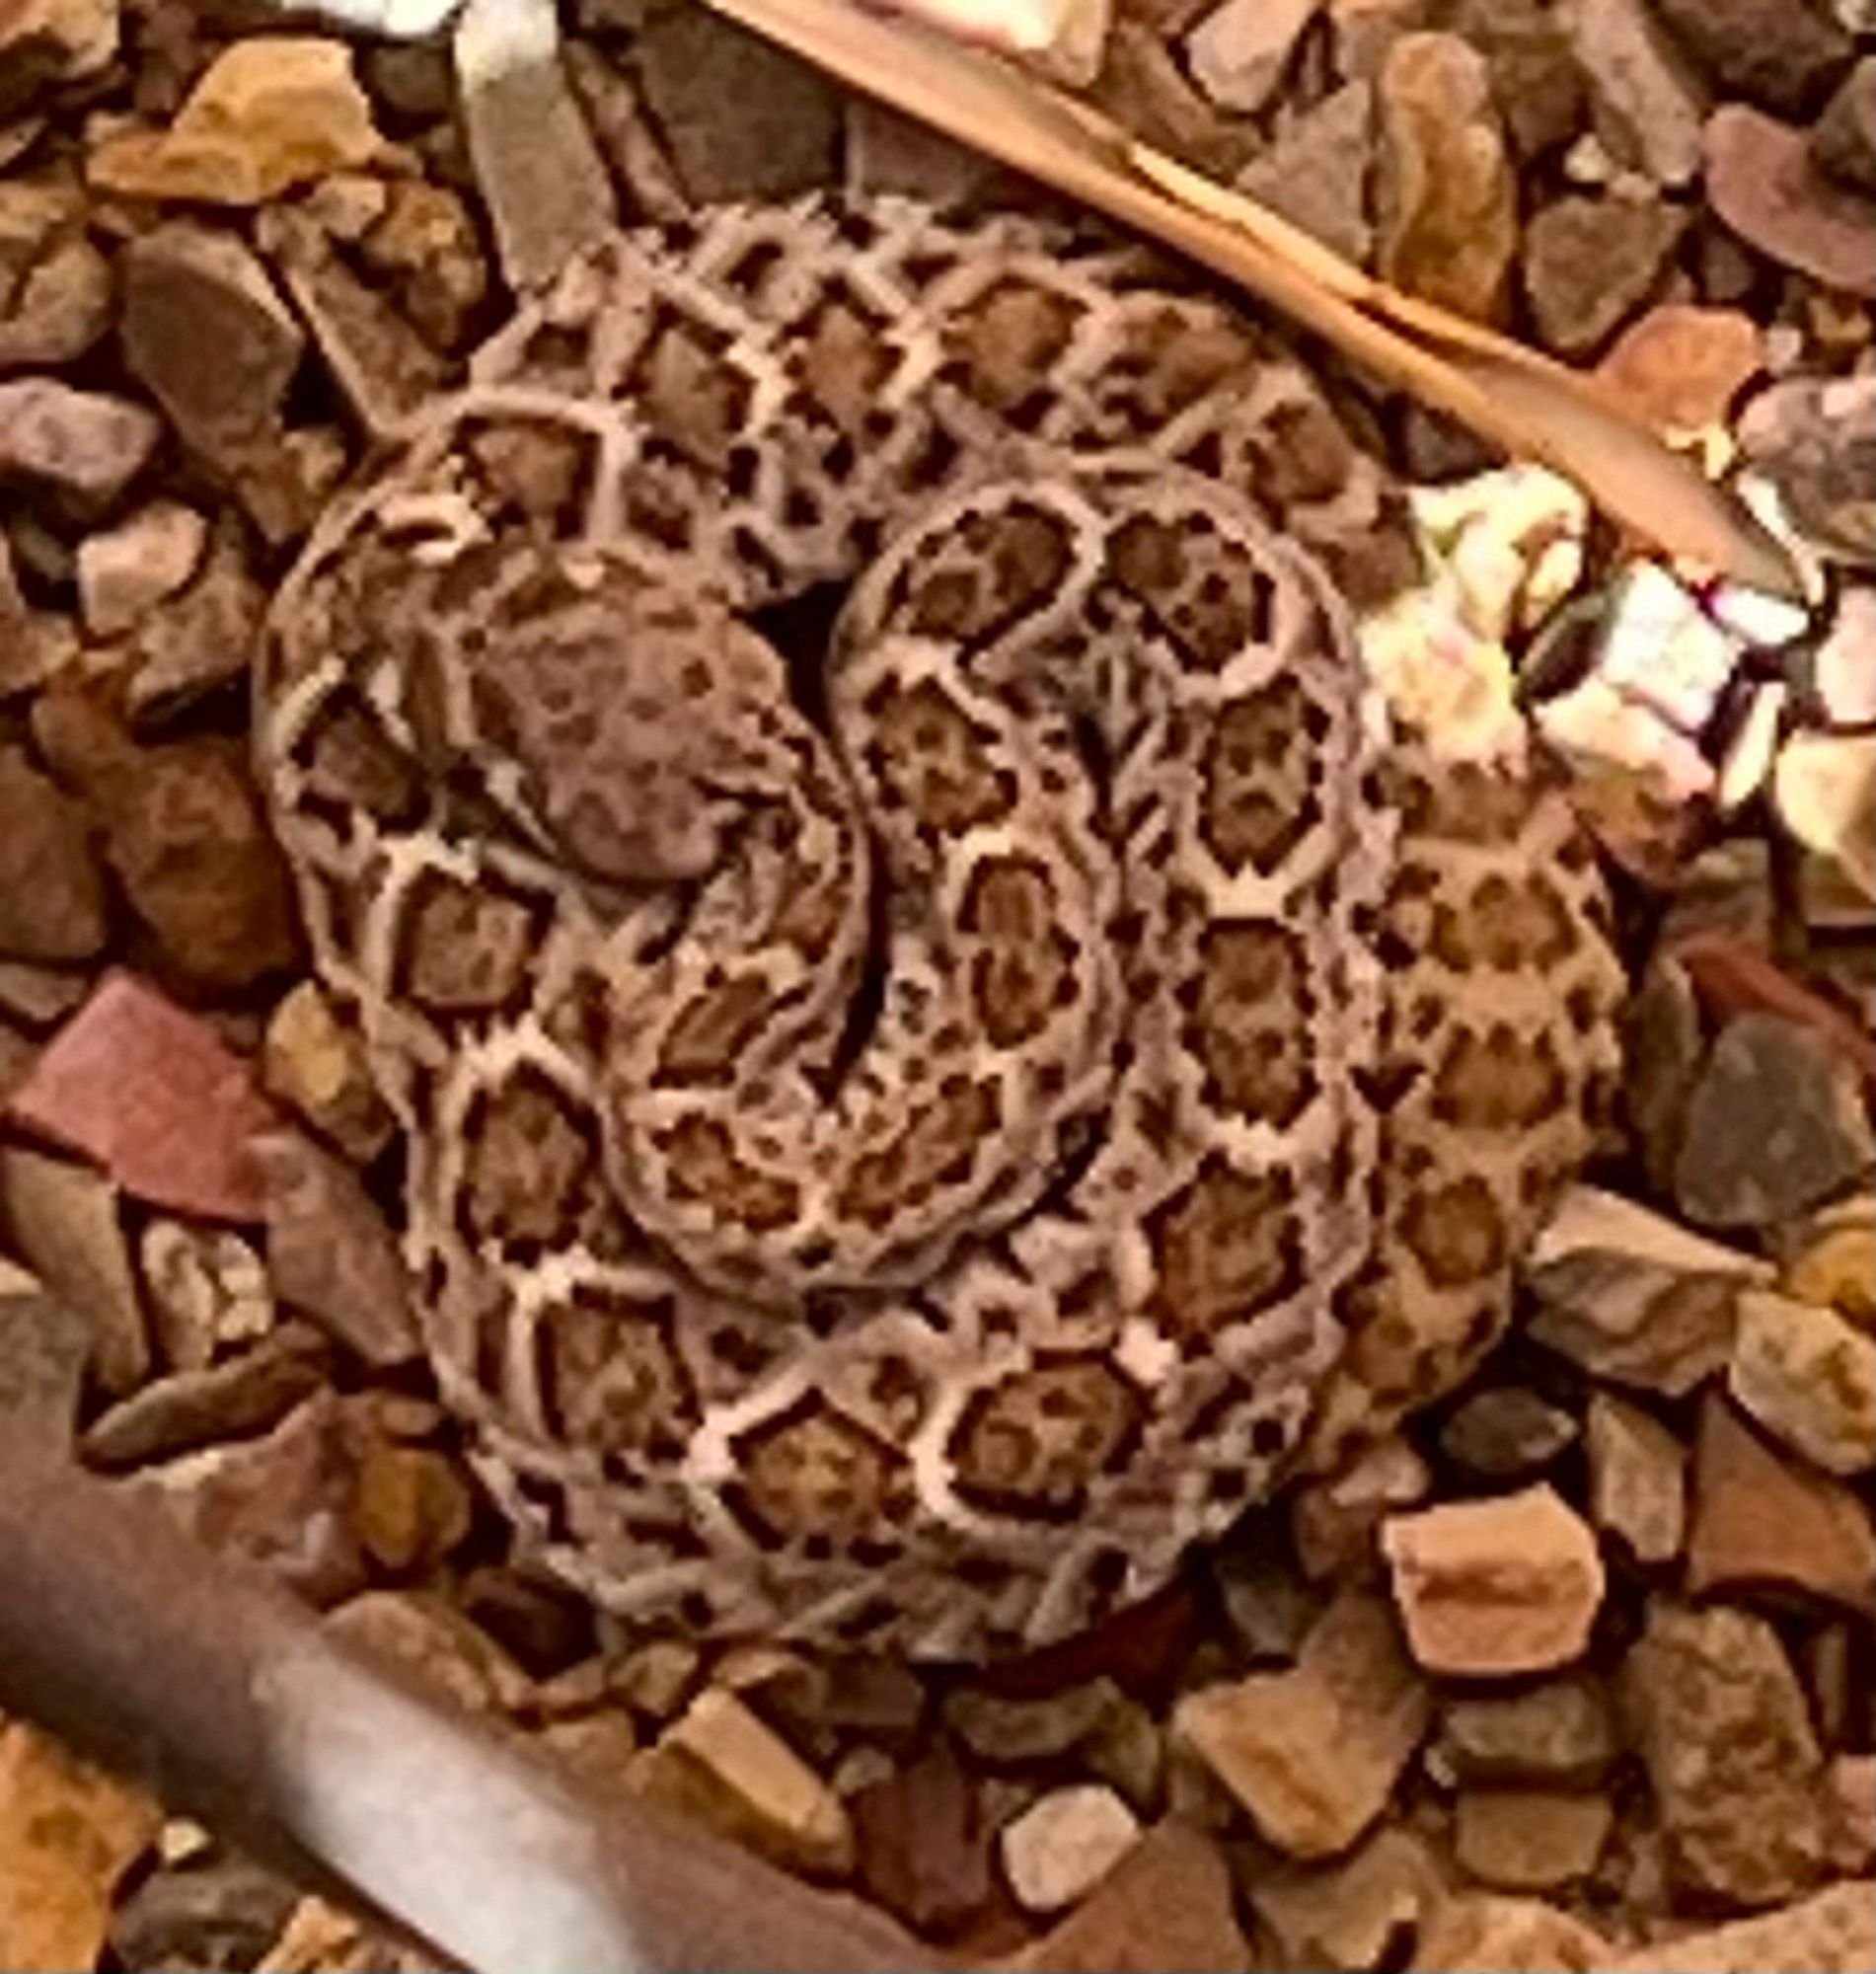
(899, 1133)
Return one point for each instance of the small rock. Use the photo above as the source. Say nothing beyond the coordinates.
(1589, 263)
(150, 1093)
(433, 1641)
(1510, 1936)
(887, 152)
(996, 1730)
(720, 1764)
(68, 1833)
(268, 114)
(1680, 366)
(1513, 539)
(1559, 1735)
(1507, 1432)
(541, 177)
(1735, 974)
(332, 1254)
(56, 286)
(1166, 1908)
(1334, 1520)
(281, 1501)
(923, 1851)
(44, 43)
(208, 1291)
(1313, 1754)
(1448, 222)
(1808, 1375)
(882, 1699)
(658, 1678)
(1637, 1481)
(231, 1399)
(1775, 1127)
(1844, 139)
(53, 908)
(314, 1063)
(1719, 1719)
(1064, 1844)
(784, 135)
(200, 638)
(1760, 180)
(1530, 1839)
(1814, 440)
(40, 997)
(1240, 52)
(1352, 1914)
(1647, 106)
(125, 570)
(86, 445)
(184, 832)
(1144, 90)
(1128, 1750)
(1761, 1522)
(1492, 1587)
(223, 1912)
(1851, 1810)
(62, 1220)
(1315, 171)
(36, 645)
(411, 1509)
(206, 331)
(1825, 789)
(1832, 1931)
(1782, 59)
(425, 244)
(1831, 1261)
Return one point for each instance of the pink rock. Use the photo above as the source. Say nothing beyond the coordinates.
(150, 1093)
(1760, 180)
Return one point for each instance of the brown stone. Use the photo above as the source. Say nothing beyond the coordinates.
(85, 445)
(1808, 1376)
(1531, 1840)
(1492, 1587)
(125, 570)
(922, 1845)
(1782, 57)
(1719, 1719)
(1763, 1521)
(1637, 1479)
(1352, 1914)
(1508, 1935)
(316, 1064)
(1843, 141)
(1680, 366)
(55, 287)
(1560, 1735)
(1832, 1931)
(52, 902)
(433, 1641)
(150, 1093)
(1589, 263)
(1759, 179)
(412, 1507)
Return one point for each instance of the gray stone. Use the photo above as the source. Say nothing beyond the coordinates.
(55, 288)
(1646, 103)
(1560, 1735)
(1506, 1433)
(1775, 1127)
(1240, 52)
(1781, 54)
(1589, 263)
(1315, 171)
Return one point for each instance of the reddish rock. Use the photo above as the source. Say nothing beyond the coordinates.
(924, 1851)
(1760, 180)
(151, 1094)
(1680, 367)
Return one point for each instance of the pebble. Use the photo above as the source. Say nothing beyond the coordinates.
(1241, 52)
(186, 835)
(63, 1221)
(1831, 1261)
(1647, 105)
(1637, 1479)
(270, 113)
(1781, 58)
(207, 1290)
(425, 1635)
(86, 445)
(784, 138)
(36, 645)
(1721, 1721)
(200, 638)
(1844, 138)
(316, 1065)
(923, 1851)
(1558, 1735)
(1166, 1908)
(425, 244)
(720, 1762)
(1353, 1913)
(543, 184)
(411, 1509)
(1762, 1522)
(1000, 1730)
(53, 906)
(281, 1500)
(56, 286)
(1144, 89)
(1059, 1848)
(68, 1833)
(1506, 1432)
(1823, 786)
(1447, 226)
(1680, 366)
(658, 1678)
(1589, 263)
(205, 328)
(1313, 1754)
(125, 570)
(231, 1399)
(1510, 1936)
(1333, 1521)
(1760, 180)
(1814, 440)
(1832, 1931)
(1775, 1127)
(1530, 1839)
(1808, 1375)
(149, 1092)
(1316, 170)
(1493, 1587)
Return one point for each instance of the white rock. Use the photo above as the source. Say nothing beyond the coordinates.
(1064, 1844)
